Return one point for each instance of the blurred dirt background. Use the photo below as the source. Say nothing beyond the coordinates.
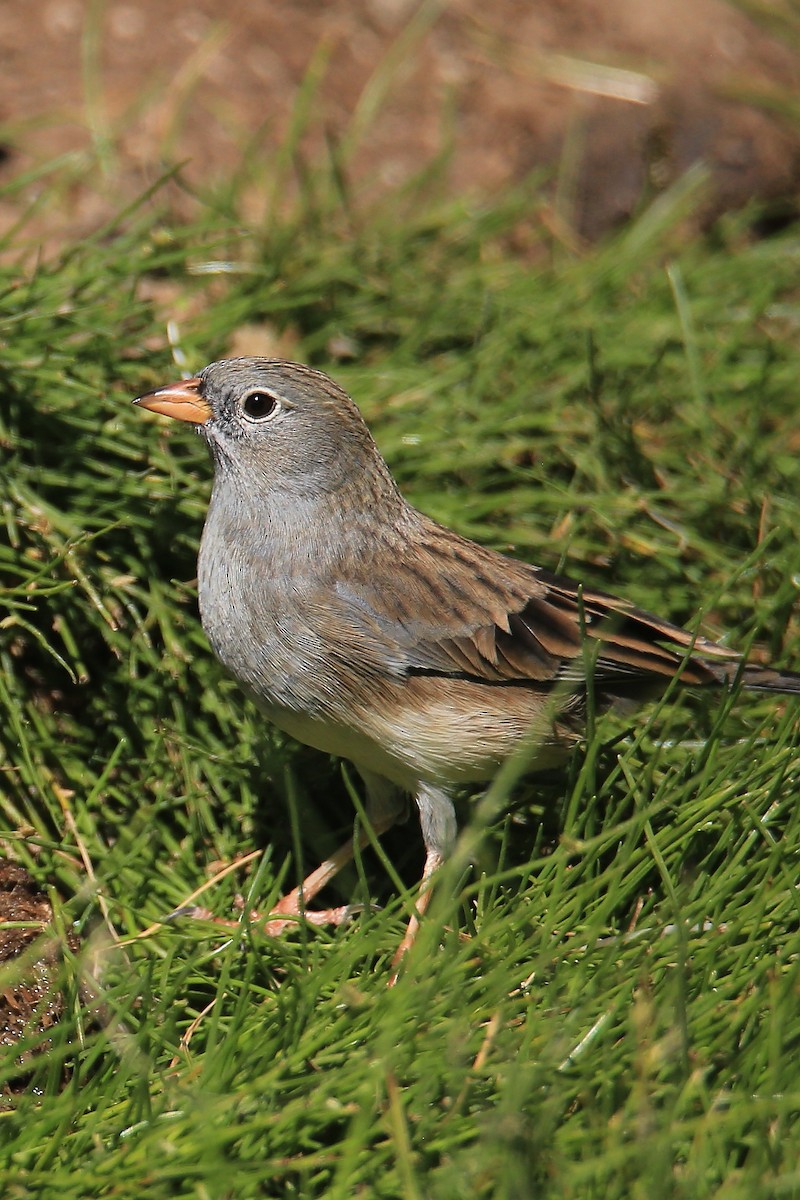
(612, 99)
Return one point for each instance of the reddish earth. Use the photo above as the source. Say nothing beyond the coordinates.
(615, 98)
(30, 1002)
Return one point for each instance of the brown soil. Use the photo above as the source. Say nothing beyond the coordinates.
(31, 1002)
(614, 98)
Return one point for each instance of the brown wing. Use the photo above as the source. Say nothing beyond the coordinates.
(546, 640)
(463, 610)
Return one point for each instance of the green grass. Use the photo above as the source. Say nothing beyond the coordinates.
(606, 1004)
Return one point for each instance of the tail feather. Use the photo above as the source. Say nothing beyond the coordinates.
(759, 679)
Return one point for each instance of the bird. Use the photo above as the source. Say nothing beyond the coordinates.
(362, 627)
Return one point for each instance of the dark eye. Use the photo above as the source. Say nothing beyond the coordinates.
(259, 405)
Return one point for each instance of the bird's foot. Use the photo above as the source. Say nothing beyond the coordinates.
(293, 915)
(286, 916)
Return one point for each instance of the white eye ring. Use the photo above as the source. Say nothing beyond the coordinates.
(260, 405)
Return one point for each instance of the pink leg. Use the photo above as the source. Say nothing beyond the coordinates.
(433, 860)
(292, 906)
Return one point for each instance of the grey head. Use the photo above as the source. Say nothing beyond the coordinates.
(278, 426)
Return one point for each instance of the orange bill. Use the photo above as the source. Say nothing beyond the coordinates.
(179, 400)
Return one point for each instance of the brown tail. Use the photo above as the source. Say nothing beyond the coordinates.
(758, 679)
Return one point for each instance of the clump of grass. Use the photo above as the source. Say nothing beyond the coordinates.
(605, 1005)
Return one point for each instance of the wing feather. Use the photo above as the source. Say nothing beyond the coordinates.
(521, 625)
